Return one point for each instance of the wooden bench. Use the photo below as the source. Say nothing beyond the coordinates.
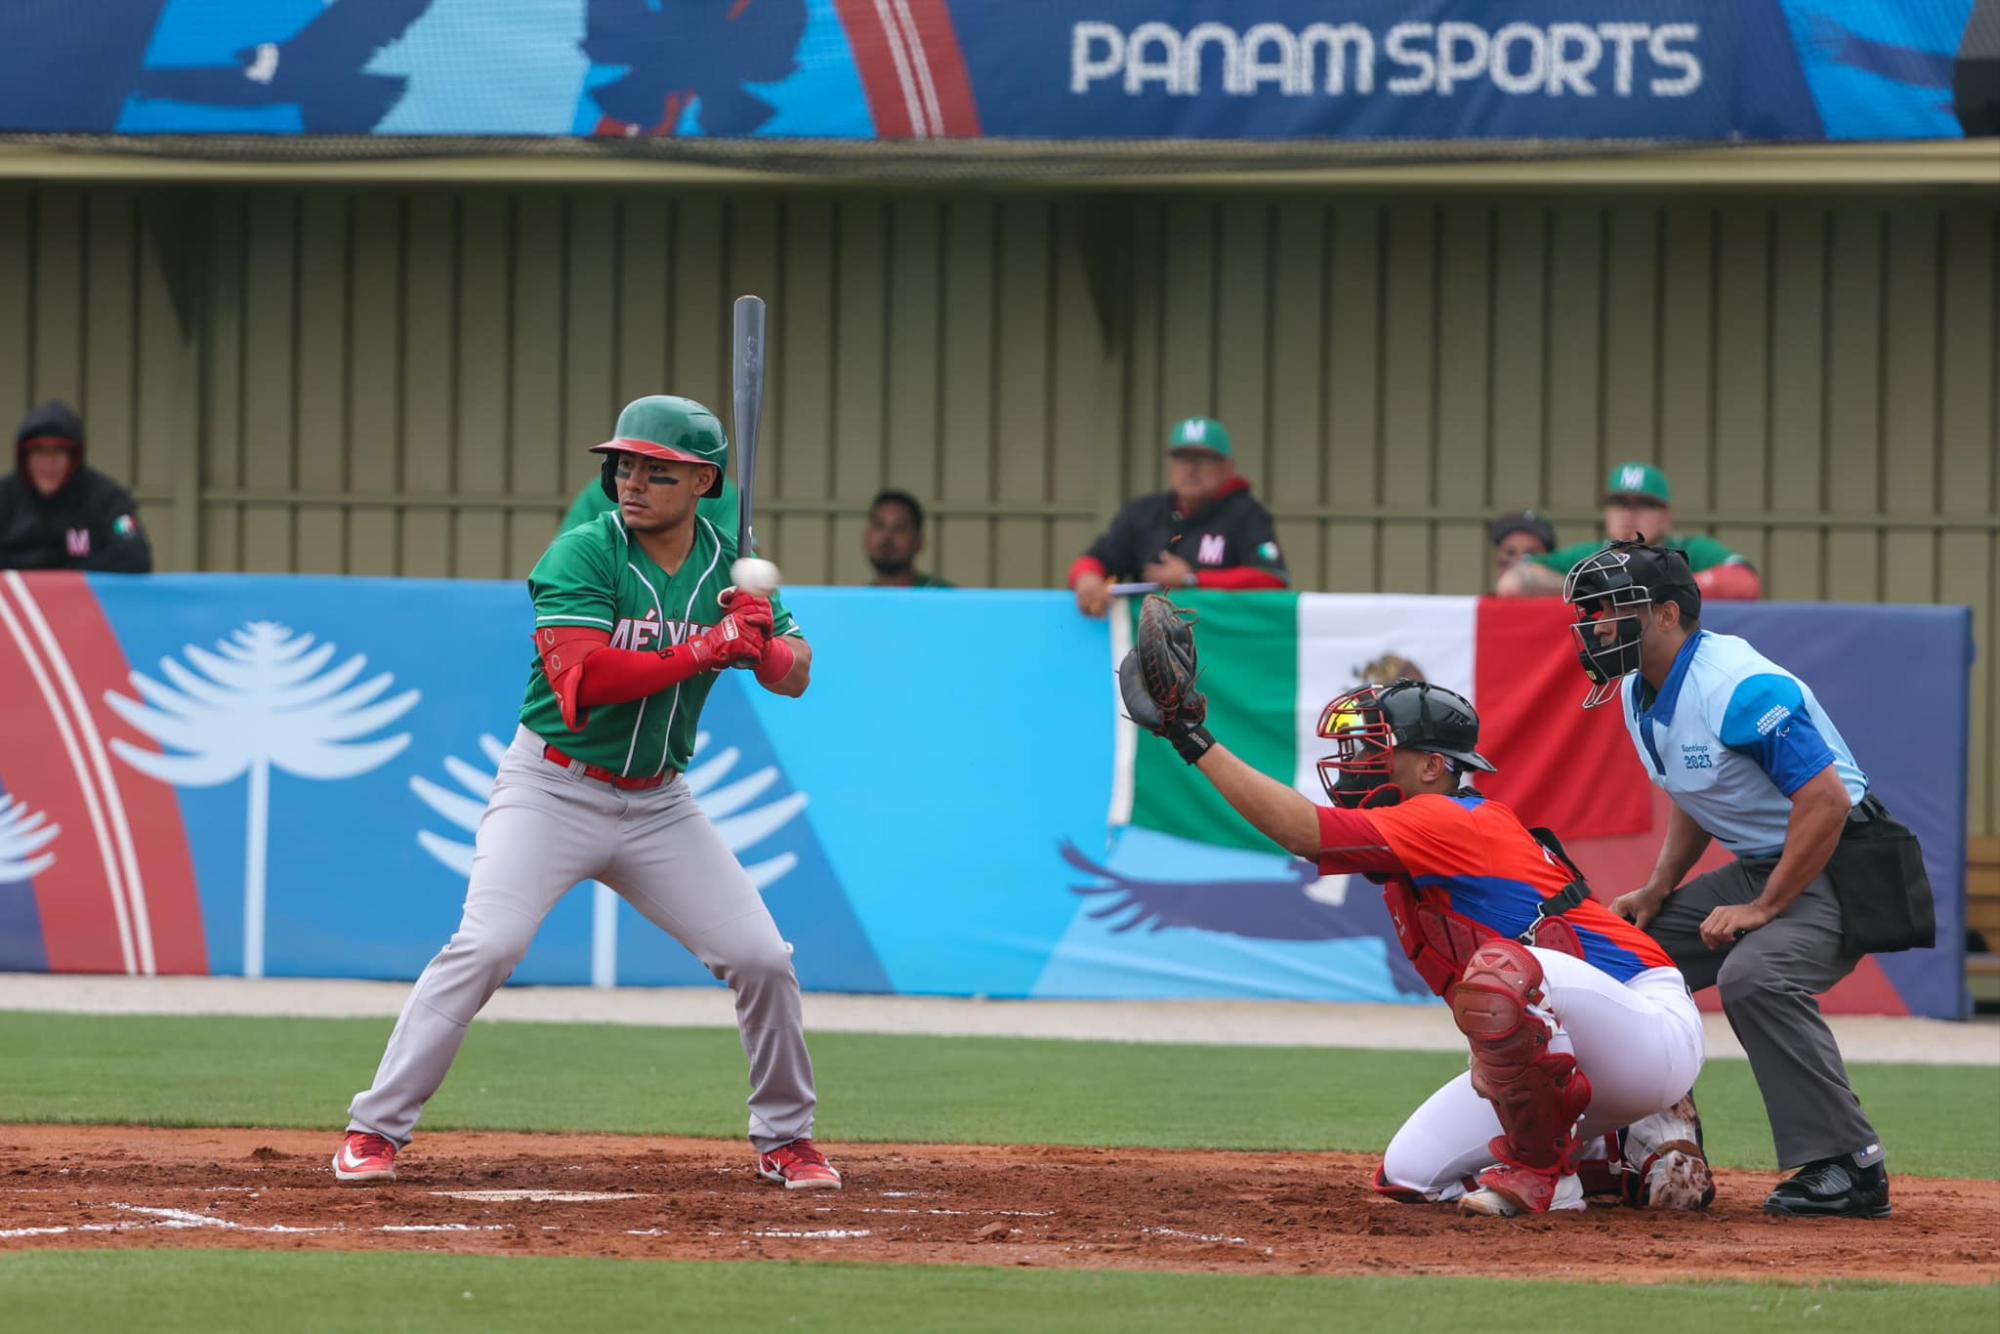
(1982, 914)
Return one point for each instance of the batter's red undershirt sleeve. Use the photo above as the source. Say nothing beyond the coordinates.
(1242, 578)
(1733, 581)
(621, 675)
(585, 671)
(777, 662)
(1350, 844)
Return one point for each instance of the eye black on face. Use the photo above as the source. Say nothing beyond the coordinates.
(657, 474)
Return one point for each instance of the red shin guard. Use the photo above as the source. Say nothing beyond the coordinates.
(1539, 1095)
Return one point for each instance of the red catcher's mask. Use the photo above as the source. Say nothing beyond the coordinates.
(1357, 774)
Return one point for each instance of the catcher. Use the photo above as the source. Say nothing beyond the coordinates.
(1585, 1041)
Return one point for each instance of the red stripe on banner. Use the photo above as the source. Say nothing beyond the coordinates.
(74, 897)
(151, 812)
(1560, 766)
(946, 60)
(890, 98)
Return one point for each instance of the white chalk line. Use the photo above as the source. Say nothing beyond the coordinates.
(446, 1227)
(173, 1220)
(1192, 1236)
(544, 1196)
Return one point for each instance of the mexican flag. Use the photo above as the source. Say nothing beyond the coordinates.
(1271, 661)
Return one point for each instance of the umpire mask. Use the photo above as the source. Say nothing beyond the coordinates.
(1614, 592)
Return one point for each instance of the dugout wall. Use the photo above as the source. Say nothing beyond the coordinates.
(399, 379)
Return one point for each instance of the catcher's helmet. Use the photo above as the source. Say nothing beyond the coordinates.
(1370, 721)
(1619, 585)
(662, 426)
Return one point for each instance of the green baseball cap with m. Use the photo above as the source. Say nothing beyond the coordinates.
(1203, 434)
(1638, 479)
(663, 426)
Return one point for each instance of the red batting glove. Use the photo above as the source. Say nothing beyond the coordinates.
(734, 639)
(749, 608)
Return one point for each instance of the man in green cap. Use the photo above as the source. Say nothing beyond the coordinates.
(1205, 531)
(1638, 507)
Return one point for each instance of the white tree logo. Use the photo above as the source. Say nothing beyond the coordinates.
(259, 702)
(23, 834)
(725, 806)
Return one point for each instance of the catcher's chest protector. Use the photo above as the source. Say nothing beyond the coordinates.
(1440, 942)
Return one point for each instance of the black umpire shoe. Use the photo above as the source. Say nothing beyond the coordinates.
(1833, 1188)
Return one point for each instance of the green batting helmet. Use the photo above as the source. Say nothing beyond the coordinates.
(662, 426)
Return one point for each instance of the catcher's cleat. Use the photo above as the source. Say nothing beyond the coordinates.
(1663, 1164)
(1505, 1192)
(365, 1159)
(1678, 1180)
(798, 1166)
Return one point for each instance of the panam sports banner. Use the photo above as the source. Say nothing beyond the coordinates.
(283, 776)
(1674, 70)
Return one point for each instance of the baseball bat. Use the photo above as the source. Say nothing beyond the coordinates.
(748, 382)
(749, 573)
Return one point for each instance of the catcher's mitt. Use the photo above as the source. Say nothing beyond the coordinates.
(1157, 680)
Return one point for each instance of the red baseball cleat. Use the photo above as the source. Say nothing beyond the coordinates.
(798, 1166)
(365, 1159)
(1505, 1191)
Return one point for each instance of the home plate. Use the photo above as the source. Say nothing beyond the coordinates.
(543, 1196)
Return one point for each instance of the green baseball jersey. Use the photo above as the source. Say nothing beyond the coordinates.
(597, 576)
(1703, 553)
(918, 580)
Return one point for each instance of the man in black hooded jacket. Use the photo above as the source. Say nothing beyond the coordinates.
(59, 513)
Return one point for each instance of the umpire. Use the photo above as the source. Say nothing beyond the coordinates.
(1822, 873)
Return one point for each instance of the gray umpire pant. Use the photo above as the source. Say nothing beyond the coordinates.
(545, 830)
(1769, 980)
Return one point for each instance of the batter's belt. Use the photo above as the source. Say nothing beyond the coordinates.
(603, 775)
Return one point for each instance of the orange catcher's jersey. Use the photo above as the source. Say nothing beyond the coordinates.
(1474, 857)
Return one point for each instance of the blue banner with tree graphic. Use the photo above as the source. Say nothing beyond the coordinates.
(284, 776)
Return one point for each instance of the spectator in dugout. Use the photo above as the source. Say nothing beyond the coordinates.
(894, 539)
(59, 513)
(1205, 531)
(1516, 537)
(1638, 507)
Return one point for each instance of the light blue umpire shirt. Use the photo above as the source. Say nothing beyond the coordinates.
(1732, 736)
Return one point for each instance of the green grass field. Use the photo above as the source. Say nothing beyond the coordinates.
(301, 1073)
(1937, 1120)
(193, 1292)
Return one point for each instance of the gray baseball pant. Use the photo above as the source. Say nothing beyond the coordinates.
(547, 829)
(1769, 980)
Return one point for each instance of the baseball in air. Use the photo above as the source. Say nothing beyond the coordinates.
(754, 574)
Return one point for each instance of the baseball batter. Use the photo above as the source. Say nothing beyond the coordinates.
(633, 618)
(1584, 1040)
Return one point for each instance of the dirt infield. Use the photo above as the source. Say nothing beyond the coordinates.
(109, 1186)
